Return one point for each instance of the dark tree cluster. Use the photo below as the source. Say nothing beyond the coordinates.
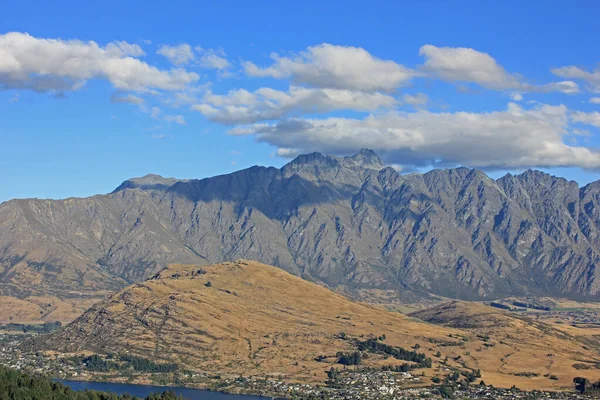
(404, 367)
(353, 358)
(583, 385)
(471, 376)
(376, 347)
(501, 306)
(16, 385)
(144, 365)
(96, 363)
(529, 305)
(46, 327)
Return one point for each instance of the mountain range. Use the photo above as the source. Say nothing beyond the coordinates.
(349, 223)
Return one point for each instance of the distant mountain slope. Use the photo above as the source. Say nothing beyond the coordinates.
(347, 222)
(253, 319)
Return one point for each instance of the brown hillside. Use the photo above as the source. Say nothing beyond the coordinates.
(254, 319)
(40, 309)
(507, 345)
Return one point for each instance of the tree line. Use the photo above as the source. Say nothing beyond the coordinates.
(17, 385)
(376, 347)
(121, 362)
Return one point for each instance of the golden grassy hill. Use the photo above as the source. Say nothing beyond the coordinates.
(40, 309)
(254, 319)
(513, 345)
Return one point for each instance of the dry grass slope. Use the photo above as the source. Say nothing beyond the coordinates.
(514, 345)
(252, 319)
(40, 309)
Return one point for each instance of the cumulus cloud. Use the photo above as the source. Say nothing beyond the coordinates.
(591, 118)
(124, 49)
(184, 54)
(516, 97)
(242, 107)
(336, 67)
(213, 59)
(461, 64)
(179, 55)
(514, 138)
(417, 100)
(43, 65)
(567, 87)
(595, 100)
(126, 98)
(467, 65)
(592, 79)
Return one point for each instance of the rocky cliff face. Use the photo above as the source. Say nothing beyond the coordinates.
(347, 222)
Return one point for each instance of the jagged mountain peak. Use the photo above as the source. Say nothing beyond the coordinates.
(365, 158)
(315, 158)
(536, 176)
(591, 187)
(149, 181)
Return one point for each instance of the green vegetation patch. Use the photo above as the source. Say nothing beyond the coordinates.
(31, 328)
(16, 385)
(97, 363)
(376, 347)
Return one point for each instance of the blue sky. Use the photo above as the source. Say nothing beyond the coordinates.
(93, 95)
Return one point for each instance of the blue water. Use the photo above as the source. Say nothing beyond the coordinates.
(144, 390)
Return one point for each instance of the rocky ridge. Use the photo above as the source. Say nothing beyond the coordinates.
(349, 223)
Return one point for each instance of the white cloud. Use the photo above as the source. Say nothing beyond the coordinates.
(27, 62)
(212, 59)
(461, 64)
(515, 138)
(567, 87)
(155, 112)
(591, 118)
(126, 98)
(595, 100)
(417, 100)
(184, 54)
(124, 49)
(242, 107)
(181, 54)
(516, 97)
(178, 119)
(573, 72)
(336, 67)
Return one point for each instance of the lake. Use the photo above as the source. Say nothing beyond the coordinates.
(144, 390)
